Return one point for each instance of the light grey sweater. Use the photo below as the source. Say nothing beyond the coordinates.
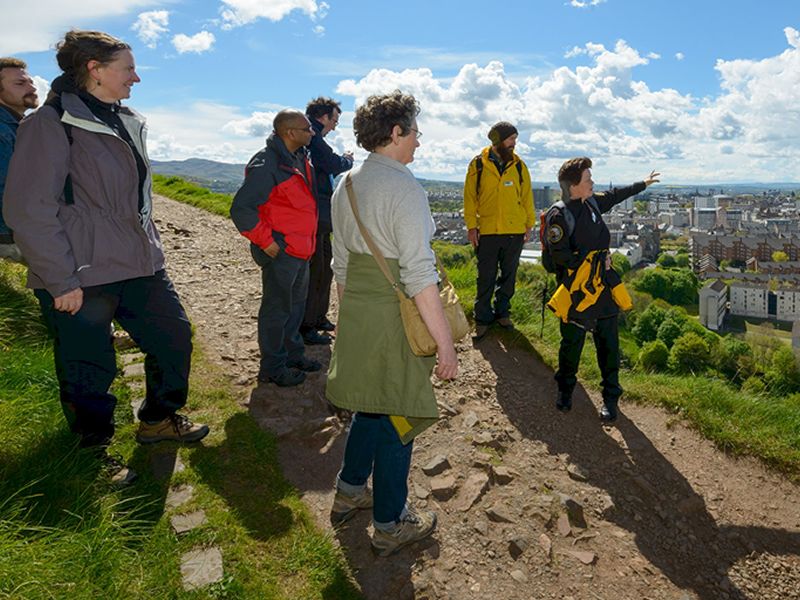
(394, 209)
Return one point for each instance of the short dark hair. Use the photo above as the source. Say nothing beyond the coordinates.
(10, 62)
(319, 107)
(286, 119)
(572, 170)
(79, 47)
(376, 118)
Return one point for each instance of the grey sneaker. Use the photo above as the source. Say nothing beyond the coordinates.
(414, 526)
(345, 507)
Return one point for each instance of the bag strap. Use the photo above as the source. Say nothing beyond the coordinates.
(376, 253)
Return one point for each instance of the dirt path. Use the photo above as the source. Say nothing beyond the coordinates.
(531, 503)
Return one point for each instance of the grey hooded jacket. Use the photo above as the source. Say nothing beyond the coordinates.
(103, 237)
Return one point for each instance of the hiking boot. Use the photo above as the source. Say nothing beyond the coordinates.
(286, 378)
(326, 325)
(346, 506)
(564, 403)
(309, 365)
(176, 428)
(413, 527)
(119, 474)
(505, 323)
(609, 413)
(480, 332)
(314, 338)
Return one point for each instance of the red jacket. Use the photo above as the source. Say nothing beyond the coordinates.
(276, 201)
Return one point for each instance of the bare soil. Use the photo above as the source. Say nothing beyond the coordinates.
(532, 503)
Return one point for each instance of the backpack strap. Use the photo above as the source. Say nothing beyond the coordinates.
(479, 169)
(55, 103)
(519, 172)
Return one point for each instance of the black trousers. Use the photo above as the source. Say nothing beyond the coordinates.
(320, 276)
(149, 309)
(606, 343)
(496, 252)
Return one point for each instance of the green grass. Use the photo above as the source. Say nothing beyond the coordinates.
(190, 193)
(64, 533)
(764, 427)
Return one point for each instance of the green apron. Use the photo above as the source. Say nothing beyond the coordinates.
(372, 367)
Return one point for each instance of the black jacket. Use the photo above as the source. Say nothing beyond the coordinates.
(327, 165)
(590, 233)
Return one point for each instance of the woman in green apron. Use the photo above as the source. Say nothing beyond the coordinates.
(373, 371)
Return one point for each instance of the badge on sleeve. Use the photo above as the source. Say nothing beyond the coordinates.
(554, 234)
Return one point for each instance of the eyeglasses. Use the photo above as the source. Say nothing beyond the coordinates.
(417, 132)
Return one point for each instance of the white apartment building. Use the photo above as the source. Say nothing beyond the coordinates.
(713, 304)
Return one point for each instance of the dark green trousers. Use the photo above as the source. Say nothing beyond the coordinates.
(606, 342)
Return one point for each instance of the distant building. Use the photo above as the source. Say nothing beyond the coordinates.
(705, 219)
(713, 304)
(758, 300)
(543, 197)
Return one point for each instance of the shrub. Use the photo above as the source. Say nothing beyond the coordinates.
(754, 385)
(783, 376)
(647, 324)
(654, 356)
(689, 354)
(666, 260)
(729, 358)
(620, 263)
(669, 331)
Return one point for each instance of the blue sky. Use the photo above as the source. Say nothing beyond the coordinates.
(704, 91)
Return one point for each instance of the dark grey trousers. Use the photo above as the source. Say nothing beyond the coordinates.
(496, 253)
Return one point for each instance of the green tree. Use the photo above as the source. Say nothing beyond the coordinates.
(669, 331)
(682, 260)
(689, 354)
(620, 263)
(676, 286)
(783, 376)
(641, 206)
(754, 385)
(646, 328)
(654, 356)
(666, 260)
(731, 359)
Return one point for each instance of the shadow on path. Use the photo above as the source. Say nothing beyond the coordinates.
(670, 522)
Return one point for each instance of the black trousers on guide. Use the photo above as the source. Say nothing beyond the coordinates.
(606, 343)
(147, 308)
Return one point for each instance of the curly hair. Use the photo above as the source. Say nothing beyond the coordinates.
(319, 107)
(571, 171)
(376, 118)
(79, 47)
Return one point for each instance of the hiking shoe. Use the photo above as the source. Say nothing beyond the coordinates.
(480, 332)
(309, 365)
(119, 474)
(414, 526)
(505, 323)
(326, 325)
(609, 413)
(286, 378)
(314, 338)
(346, 506)
(176, 428)
(564, 403)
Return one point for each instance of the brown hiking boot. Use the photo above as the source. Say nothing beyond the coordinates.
(414, 526)
(345, 506)
(505, 323)
(176, 428)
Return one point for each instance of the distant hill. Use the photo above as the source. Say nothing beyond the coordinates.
(216, 176)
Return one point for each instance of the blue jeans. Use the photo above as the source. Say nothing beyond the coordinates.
(373, 446)
(149, 309)
(284, 282)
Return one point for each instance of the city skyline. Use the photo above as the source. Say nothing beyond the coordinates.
(701, 91)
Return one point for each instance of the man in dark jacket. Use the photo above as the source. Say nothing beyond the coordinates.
(276, 210)
(589, 234)
(17, 94)
(324, 115)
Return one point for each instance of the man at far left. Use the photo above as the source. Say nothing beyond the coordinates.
(17, 94)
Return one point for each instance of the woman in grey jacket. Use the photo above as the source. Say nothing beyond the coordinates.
(79, 198)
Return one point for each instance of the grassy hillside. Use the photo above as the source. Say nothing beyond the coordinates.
(64, 533)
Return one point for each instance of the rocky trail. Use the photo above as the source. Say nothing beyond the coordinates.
(532, 503)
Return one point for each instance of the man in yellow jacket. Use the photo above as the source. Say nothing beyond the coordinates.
(498, 212)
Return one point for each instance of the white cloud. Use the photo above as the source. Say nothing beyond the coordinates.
(150, 26)
(258, 124)
(585, 3)
(680, 56)
(236, 13)
(37, 28)
(199, 42)
(318, 30)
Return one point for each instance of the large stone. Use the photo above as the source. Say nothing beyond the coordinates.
(563, 525)
(577, 472)
(470, 420)
(133, 370)
(499, 513)
(179, 495)
(472, 491)
(519, 576)
(183, 523)
(201, 567)
(436, 465)
(489, 439)
(517, 546)
(443, 487)
(503, 475)
(585, 557)
(574, 511)
(547, 545)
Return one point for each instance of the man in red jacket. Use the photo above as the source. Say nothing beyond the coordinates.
(277, 211)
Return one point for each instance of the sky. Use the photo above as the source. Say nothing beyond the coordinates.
(703, 91)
